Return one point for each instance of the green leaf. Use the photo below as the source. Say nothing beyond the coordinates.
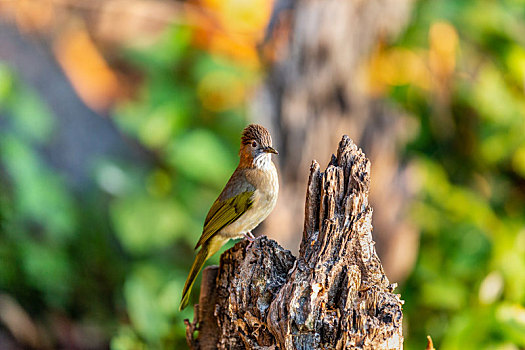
(202, 156)
(40, 194)
(48, 270)
(144, 224)
(141, 293)
(6, 84)
(512, 321)
(32, 117)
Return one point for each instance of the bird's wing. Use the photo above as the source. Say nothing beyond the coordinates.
(223, 213)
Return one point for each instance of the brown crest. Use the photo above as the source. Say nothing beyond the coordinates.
(258, 133)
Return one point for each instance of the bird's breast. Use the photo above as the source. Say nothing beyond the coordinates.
(267, 187)
(264, 198)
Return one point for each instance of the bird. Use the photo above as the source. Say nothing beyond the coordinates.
(247, 199)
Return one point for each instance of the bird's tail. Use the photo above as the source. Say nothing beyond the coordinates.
(201, 257)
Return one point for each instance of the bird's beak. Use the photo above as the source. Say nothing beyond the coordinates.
(270, 150)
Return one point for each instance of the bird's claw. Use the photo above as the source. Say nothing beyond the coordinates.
(250, 238)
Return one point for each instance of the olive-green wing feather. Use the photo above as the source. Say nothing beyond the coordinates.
(223, 213)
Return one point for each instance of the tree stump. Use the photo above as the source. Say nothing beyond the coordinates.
(335, 295)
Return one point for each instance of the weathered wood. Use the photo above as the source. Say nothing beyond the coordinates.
(334, 296)
(205, 321)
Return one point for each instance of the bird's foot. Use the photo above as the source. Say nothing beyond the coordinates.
(250, 238)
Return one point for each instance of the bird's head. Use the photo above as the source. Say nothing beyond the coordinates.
(256, 146)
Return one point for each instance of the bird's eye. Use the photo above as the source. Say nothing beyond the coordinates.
(254, 144)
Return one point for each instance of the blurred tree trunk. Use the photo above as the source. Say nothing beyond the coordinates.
(318, 89)
(334, 296)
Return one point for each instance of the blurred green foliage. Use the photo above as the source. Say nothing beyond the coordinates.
(468, 287)
(117, 257)
(37, 212)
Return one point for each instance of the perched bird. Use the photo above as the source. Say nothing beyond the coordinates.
(246, 200)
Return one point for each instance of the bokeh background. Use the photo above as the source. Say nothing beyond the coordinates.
(120, 123)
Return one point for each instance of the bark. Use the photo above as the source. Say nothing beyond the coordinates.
(335, 295)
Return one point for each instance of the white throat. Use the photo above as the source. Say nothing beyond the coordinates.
(263, 161)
